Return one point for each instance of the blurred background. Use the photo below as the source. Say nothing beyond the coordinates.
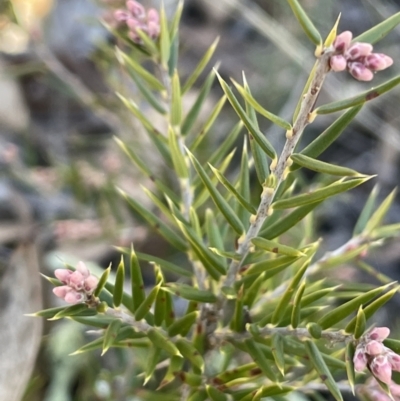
(59, 164)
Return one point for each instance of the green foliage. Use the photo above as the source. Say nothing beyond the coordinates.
(257, 316)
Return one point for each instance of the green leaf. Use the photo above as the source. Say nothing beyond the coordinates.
(322, 370)
(253, 102)
(211, 262)
(333, 317)
(332, 34)
(145, 170)
(324, 140)
(305, 22)
(371, 309)
(218, 199)
(187, 349)
(366, 212)
(159, 308)
(178, 158)
(253, 130)
(161, 341)
(176, 101)
(390, 230)
(102, 281)
(73, 310)
(320, 194)
(278, 352)
(194, 112)
(244, 188)
(119, 283)
(275, 265)
(111, 334)
(360, 323)
(145, 306)
(295, 319)
(286, 297)
(315, 330)
(200, 67)
(247, 205)
(191, 379)
(48, 313)
(146, 92)
(148, 43)
(165, 40)
(156, 223)
(322, 167)
(259, 156)
(190, 293)
(358, 99)
(215, 395)
(152, 360)
(274, 247)
(142, 72)
(253, 292)
(379, 31)
(349, 359)
(237, 322)
(283, 224)
(259, 358)
(394, 345)
(376, 219)
(214, 235)
(183, 325)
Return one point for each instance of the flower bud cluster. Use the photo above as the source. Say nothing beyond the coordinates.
(357, 58)
(78, 286)
(136, 18)
(371, 353)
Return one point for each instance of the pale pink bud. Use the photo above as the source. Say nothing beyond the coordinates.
(338, 63)
(152, 15)
(61, 291)
(342, 41)
(81, 268)
(360, 359)
(360, 72)
(378, 333)
(153, 29)
(378, 61)
(74, 297)
(394, 360)
(121, 15)
(358, 50)
(374, 348)
(381, 369)
(136, 9)
(63, 275)
(90, 284)
(76, 280)
(134, 24)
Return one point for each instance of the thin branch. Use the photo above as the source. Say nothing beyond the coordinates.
(268, 194)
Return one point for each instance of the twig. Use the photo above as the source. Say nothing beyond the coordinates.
(279, 171)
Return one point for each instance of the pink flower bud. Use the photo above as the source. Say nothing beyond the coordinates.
(394, 361)
(358, 50)
(63, 275)
(61, 291)
(153, 29)
(338, 63)
(136, 9)
(81, 268)
(120, 15)
(152, 15)
(74, 297)
(76, 280)
(378, 333)
(378, 61)
(374, 348)
(342, 41)
(381, 369)
(360, 359)
(360, 72)
(133, 24)
(90, 284)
